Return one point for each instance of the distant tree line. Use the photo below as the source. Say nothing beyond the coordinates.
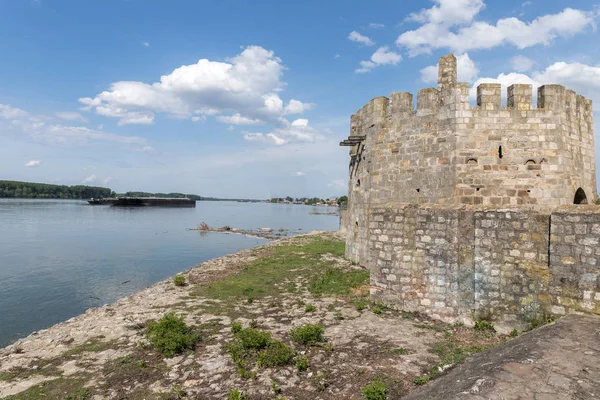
(27, 190)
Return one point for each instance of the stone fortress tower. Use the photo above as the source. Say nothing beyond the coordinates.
(449, 152)
(458, 208)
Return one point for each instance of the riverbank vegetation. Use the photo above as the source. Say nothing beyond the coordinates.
(28, 190)
(291, 319)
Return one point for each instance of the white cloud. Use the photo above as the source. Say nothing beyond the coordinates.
(201, 118)
(107, 180)
(37, 129)
(299, 173)
(71, 116)
(9, 112)
(450, 24)
(246, 84)
(467, 70)
(527, 3)
(296, 132)
(237, 119)
(521, 63)
(383, 56)
(358, 38)
(32, 163)
(146, 44)
(376, 25)
(336, 56)
(89, 179)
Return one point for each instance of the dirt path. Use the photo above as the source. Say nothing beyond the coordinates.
(105, 353)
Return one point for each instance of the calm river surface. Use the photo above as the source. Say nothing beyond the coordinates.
(60, 257)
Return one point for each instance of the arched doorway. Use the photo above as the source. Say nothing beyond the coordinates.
(580, 197)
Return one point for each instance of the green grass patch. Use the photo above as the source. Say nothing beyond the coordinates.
(308, 334)
(376, 390)
(334, 281)
(310, 308)
(273, 273)
(253, 339)
(170, 335)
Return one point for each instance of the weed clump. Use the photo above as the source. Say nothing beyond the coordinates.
(400, 351)
(236, 327)
(235, 394)
(484, 325)
(170, 335)
(179, 280)
(301, 364)
(277, 353)
(308, 334)
(376, 390)
(309, 308)
(541, 319)
(252, 346)
(251, 338)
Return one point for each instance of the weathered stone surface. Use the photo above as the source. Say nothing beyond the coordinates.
(559, 361)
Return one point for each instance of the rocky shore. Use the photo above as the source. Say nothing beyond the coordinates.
(265, 294)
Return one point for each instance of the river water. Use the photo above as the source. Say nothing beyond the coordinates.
(60, 257)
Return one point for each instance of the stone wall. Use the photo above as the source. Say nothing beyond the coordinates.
(460, 263)
(446, 151)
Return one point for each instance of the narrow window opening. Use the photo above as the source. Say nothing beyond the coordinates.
(500, 152)
(529, 162)
(358, 182)
(418, 190)
(472, 161)
(528, 191)
(477, 189)
(580, 197)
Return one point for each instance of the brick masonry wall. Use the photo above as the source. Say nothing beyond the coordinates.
(461, 263)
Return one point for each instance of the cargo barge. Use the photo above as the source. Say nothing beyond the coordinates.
(144, 202)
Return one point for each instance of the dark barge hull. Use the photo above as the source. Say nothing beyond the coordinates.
(144, 202)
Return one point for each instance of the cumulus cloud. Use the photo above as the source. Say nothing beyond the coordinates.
(246, 85)
(295, 132)
(146, 44)
(32, 163)
(376, 25)
(362, 39)
(89, 179)
(71, 116)
(299, 173)
(9, 112)
(383, 56)
(451, 24)
(107, 180)
(336, 56)
(467, 70)
(521, 63)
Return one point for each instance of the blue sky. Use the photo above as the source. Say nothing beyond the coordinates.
(249, 98)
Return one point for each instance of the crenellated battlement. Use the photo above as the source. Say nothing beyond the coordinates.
(451, 95)
(498, 148)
